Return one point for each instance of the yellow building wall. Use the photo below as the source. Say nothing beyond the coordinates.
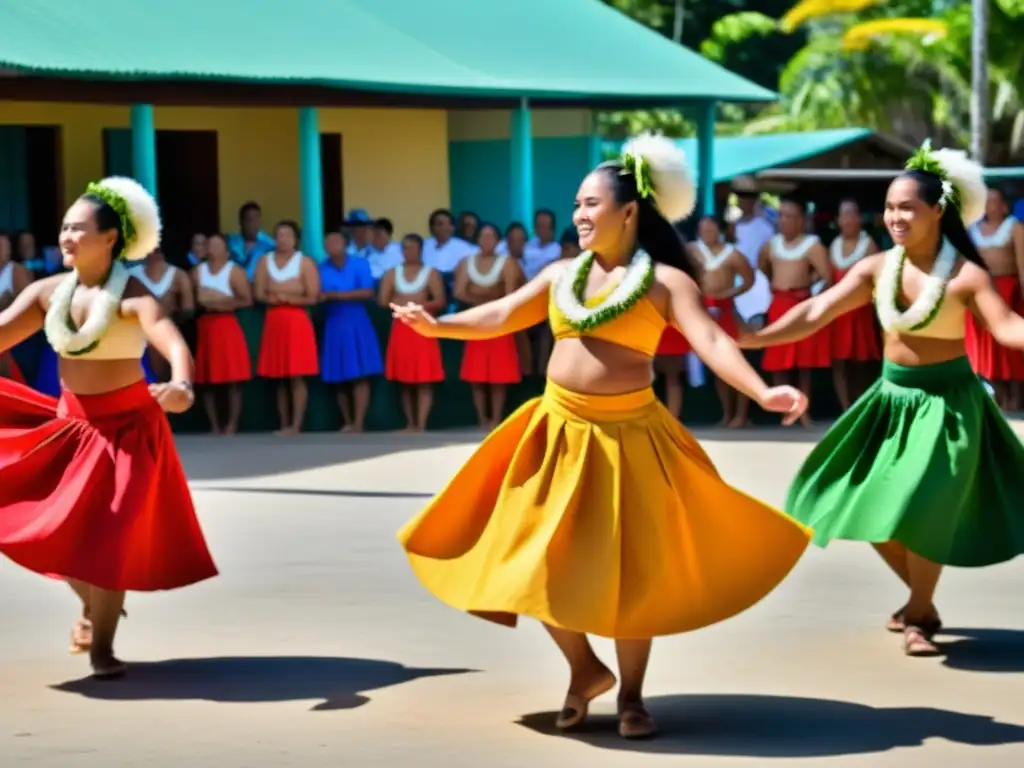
(495, 124)
(394, 162)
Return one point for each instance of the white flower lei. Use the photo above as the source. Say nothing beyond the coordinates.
(929, 301)
(843, 263)
(415, 285)
(61, 333)
(491, 277)
(571, 284)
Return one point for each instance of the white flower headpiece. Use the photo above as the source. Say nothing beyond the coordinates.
(963, 181)
(662, 174)
(140, 217)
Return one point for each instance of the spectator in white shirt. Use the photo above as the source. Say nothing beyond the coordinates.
(382, 253)
(752, 231)
(443, 251)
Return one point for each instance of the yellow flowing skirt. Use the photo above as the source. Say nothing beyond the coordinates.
(599, 514)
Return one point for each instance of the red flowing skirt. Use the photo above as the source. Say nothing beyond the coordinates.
(412, 358)
(672, 342)
(989, 359)
(222, 356)
(725, 315)
(13, 371)
(91, 488)
(812, 352)
(288, 346)
(491, 361)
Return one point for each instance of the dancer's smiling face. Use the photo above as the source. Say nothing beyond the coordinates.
(88, 234)
(602, 221)
(908, 217)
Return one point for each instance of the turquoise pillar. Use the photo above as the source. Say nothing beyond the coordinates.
(311, 185)
(521, 171)
(144, 146)
(706, 157)
(594, 154)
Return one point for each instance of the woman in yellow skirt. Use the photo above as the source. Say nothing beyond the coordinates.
(591, 509)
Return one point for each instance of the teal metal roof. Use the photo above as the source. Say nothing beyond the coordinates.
(739, 155)
(575, 50)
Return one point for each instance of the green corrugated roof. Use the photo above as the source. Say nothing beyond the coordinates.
(738, 155)
(558, 49)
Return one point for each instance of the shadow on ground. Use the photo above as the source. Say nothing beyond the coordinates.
(782, 726)
(210, 458)
(338, 683)
(983, 650)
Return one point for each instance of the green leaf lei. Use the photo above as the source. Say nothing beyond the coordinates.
(120, 206)
(611, 311)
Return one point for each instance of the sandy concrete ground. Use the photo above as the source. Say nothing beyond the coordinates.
(316, 647)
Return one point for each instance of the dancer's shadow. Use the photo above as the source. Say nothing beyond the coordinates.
(338, 682)
(781, 726)
(983, 650)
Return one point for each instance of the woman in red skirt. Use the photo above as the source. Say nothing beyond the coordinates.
(489, 365)
(289, 283)
(414, 361)
(91, 488)
(222, 355)
(855, 339)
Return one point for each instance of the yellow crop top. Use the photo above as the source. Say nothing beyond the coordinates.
(639, 328)
(947, 325)
(124, 340)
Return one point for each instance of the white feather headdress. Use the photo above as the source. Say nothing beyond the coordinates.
(132, 202)
(963, 180)
(674, 193)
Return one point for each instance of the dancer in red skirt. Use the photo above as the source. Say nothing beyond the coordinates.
(91, 489)
(793, 261)
(414, 361)
(489, 365)
(999, 238)
(222, 355)
(855, 339)
(289, 283)
(725, 273)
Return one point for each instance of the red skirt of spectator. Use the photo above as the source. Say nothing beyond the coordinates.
(222, 356)
(672, 342)
(854, 336)
(13, 371)
(989, 359)
(812, 352)
(724, 313)
(491, 361)
(288, 346)
(91, 488)
(412, 358)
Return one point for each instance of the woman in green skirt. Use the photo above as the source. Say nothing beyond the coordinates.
(923, 466)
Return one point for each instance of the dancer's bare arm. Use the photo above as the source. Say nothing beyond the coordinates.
(719, 352)
(24, 317)
(521, 309)
(807, 317)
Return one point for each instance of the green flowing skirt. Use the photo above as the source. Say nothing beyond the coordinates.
(924, 458)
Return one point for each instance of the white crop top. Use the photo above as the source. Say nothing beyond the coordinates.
(124, 340)
(158, 288)
(220, 282)
(290, 271)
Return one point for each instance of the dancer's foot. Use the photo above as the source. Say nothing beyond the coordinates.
(897, 624)
(635, 722)
(106, 666)
(230, 430)
(583, 689)
(351, 429)
(81, 637)
(287, 432)
(917, 641)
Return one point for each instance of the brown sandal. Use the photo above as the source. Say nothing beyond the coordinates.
(917, 642)
(576, 707)
(635, 722)
(896, 624)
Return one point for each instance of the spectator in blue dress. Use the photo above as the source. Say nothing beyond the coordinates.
(251, 243)
(350, 351)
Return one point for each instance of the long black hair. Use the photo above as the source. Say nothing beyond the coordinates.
(929, 189)
(654, 232)
(107, 219)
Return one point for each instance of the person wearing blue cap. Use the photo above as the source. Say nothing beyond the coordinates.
(360, 232)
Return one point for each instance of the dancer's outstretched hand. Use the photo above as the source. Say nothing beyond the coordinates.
(173, 398)
(415, 316)
(788, 400)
